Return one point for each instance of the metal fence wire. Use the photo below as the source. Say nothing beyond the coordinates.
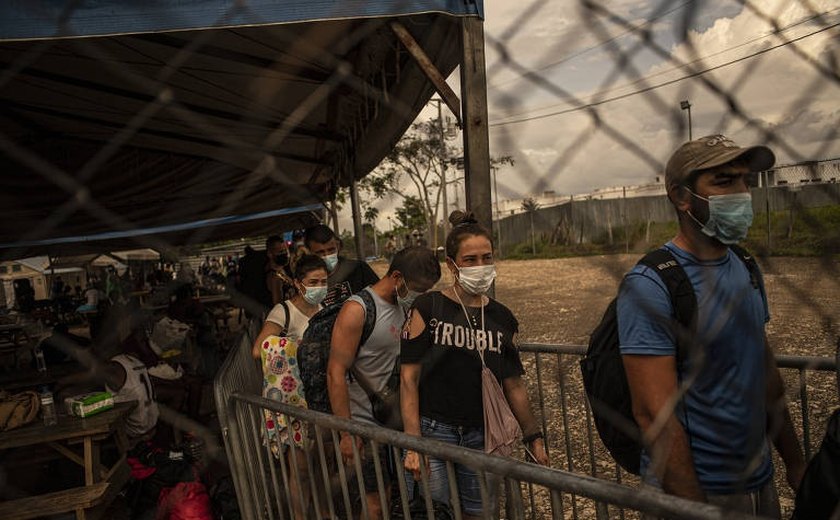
(161, 138)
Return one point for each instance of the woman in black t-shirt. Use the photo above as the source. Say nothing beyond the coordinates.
(444, 338)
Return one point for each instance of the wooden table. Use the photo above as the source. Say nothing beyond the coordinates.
(101, 483)
(14, 339)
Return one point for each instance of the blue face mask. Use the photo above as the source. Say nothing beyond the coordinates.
(730, 217)
(331, 261)
(315, 295)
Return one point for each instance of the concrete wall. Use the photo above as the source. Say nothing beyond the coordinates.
(582, 221)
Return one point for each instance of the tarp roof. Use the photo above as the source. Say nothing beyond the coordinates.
(123, 115)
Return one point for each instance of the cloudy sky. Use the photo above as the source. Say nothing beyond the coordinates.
(575, 119)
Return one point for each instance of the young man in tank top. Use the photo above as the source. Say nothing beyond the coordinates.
(413, 271)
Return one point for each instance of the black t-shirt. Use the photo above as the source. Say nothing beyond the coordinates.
(350, 276)
(450, 380)
(252, 276)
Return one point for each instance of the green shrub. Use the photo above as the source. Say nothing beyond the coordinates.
(803, 232)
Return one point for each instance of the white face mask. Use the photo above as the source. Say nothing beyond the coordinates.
(314, 295)
(477, 279)
(405, 302)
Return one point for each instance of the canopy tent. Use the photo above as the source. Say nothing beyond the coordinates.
(121, 117)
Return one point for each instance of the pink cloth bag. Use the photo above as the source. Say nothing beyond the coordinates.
(501, 429)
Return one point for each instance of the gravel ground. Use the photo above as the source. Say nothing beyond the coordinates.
(562, 300)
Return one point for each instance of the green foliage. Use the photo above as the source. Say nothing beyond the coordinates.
(371, 214)
(411, 214)
(530, 205)
(803, 232)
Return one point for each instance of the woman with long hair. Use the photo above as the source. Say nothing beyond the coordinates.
(450, 335)
(276, 348)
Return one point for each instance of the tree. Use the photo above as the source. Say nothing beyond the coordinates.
(530, 206)
(421, 157)
(418, 157)
(370, 215)
(411, 214)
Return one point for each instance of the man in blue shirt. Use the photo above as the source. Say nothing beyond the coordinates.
(707, 421)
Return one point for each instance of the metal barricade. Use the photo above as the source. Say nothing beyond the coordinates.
(589, 485)
(552, 488)
(239, 373)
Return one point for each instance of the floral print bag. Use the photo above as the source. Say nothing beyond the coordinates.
(281, 382)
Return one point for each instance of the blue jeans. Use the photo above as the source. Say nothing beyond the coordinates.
(469, 489)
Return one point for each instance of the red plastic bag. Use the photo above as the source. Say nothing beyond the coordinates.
(185, 501)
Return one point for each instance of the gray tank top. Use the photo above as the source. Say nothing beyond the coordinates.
(376, 357)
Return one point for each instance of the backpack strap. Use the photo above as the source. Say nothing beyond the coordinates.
(370, 315)
(286, 313)
(756, 279)
(681, 291)
(367, 329)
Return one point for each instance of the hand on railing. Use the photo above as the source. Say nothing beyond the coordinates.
(412, 464)
(346, 447)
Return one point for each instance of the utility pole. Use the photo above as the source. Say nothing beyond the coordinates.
(493, 169)
(444, 185)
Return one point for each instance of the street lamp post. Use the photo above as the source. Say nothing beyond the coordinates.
(685, 105)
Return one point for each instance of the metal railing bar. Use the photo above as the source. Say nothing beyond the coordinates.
(400, 474)
(653, 502)
(454, 497)
(782, 360)
(360, 479)
(342, 472)
(257, 422)
(325, 474)
(293, 465)
(806, 423)
(570, 465)
(380, 481)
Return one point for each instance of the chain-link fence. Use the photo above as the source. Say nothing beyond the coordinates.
(176, 126)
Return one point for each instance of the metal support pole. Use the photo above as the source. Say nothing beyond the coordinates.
(357, 222)
(443, 185)
(767, 207)
(498, 219)
(690, 134)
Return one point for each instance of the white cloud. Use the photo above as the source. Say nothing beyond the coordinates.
(576, 152)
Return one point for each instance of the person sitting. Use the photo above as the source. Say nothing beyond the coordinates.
(127, 379)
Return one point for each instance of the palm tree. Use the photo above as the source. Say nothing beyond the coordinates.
(530, 206)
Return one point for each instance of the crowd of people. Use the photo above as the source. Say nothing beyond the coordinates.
(707, 421)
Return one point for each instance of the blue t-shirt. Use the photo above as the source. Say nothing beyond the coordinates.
(723, 412)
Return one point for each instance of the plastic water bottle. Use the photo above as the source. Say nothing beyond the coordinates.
(48, 410)
(40, 362)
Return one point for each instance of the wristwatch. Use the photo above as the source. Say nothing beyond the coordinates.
(528, 439)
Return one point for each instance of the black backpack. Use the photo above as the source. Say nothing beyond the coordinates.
(314, 350)
(602, 369)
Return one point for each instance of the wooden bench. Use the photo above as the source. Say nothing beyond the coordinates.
(77, 499)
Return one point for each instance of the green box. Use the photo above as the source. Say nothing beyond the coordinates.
(85, 405)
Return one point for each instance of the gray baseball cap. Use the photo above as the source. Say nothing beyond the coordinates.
(710, 151)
